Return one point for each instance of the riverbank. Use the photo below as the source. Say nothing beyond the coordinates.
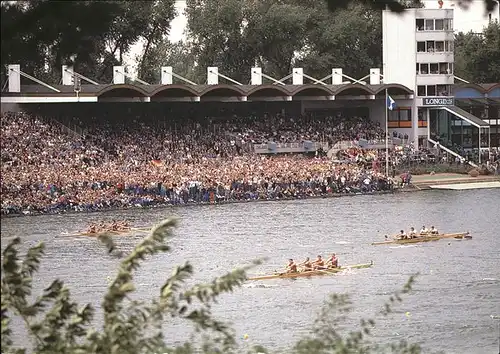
(203, 204)
(419, 183)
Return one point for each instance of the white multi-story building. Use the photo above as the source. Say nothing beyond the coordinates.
(418, 53)
(471, 16)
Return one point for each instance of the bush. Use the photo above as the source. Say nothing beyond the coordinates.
(58, 325)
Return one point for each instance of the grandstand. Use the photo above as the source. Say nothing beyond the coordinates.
(84, 145)
(432, 109)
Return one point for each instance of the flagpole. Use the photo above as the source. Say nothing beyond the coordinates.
(386, 135)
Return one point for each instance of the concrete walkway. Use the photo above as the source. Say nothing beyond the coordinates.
(424, 181)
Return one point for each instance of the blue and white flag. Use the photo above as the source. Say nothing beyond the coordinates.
(391, 104)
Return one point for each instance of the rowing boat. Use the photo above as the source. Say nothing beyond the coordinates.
(311, 273)
(110, 232)
(458, 235)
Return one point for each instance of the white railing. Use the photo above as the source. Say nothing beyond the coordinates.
(315, 145)
(451, 152)
(74, 130)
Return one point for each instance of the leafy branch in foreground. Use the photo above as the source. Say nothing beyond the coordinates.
(327, 338)
(55, 324)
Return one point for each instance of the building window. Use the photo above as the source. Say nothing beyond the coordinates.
(420, 24)
(421, 91)
(439, 25)
(435, 46)
(400, 118)
(446, 68)
(429, 25)
(435, 68)
(438, 90)
(434, 24)
(443, 90)
(422, 118)
(448, 24)
(439, 46)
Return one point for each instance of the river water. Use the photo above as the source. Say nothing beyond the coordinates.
(449, 309)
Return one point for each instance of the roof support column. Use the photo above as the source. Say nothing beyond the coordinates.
(14, 78)
(118, 75)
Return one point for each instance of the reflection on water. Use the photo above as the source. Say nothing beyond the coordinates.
(450, 309)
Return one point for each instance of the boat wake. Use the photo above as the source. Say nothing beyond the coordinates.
(259, 286)
(342, 242)
(403, 246)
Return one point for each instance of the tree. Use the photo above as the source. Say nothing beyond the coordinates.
(277, 30)
(350, 39)
(56, 324)
(216, 33)
(177, 55)
(477, 55)
(161, 13)
(93, 36)
(43, 35)
(278, 35)
(397, 5)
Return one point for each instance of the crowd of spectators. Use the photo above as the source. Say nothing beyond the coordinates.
(135, 164)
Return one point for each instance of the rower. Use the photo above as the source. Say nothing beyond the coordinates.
(307, 266)
(114, 226)
(101, 226)
(412, 233)
(291, 267)
(424, 231)
(433, 231)
(319, 263)
(332, 262)
(402, 235)
(92, 229)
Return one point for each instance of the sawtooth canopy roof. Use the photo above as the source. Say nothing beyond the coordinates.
(392, 89)
(482, 88)
(353, 90)
(314, 90)
(123, 90)
(175, 91)
(268, 91)
(225, 90)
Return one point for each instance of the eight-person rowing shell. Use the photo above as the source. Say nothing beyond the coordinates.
(307, 265)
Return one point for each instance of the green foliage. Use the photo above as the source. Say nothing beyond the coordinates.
(477, 55)
(233, 35)
(217, 35)
(398, 5)
(58, 325)
(328, 338)
(334, 41)
(277, 35)
(42, 35)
